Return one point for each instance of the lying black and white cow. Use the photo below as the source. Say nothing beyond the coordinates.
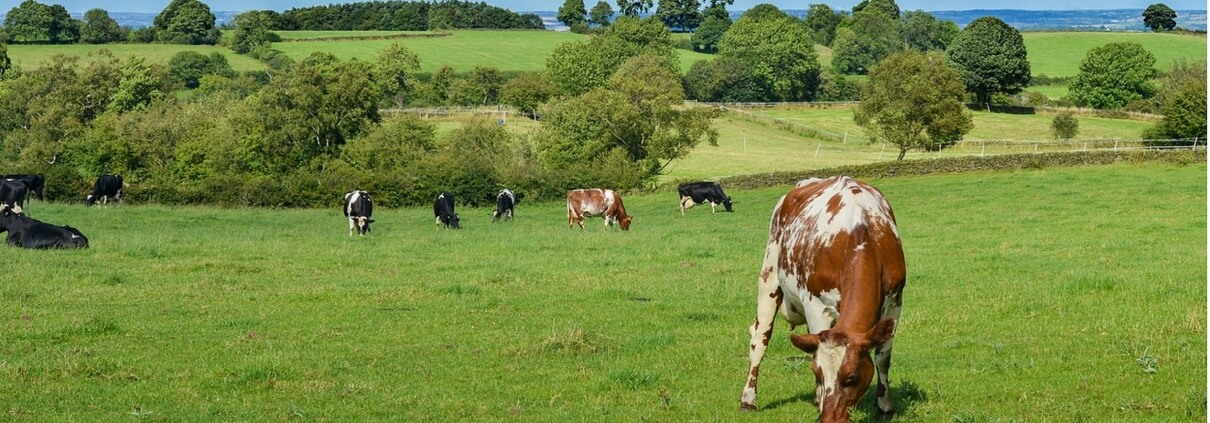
(505, 201)
(694, 193)
(35, 182)
(443, 208)
(358, 208)
(13, 192)
(106, 187)
(26, 232)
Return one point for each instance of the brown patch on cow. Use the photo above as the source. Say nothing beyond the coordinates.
(752, 377)
(834, 205)
(856, 190)
(764, 274)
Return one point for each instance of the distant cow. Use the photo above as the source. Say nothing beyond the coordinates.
(505, 201)
(583, 203)
(13, 192)
(26, 232)
(358, 208)
(443, 208)
(694, 193)
(106, 187)
(834, 262)
(35, 182)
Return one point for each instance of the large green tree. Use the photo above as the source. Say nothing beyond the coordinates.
(572, 12)
(100, 28)
(394, 69)
(186, 22)
(5, 62)
(187, 67)
(707, 36)
(822, 21)
(1182, 100)
(33, 22)
(252, 31)
(680, 15)
(914, 101)
(633, 7)
(579, 66)
(527, 92)
(864, 40)
(1113, 75)
(1159, 17)
(600, 14)
(779, 51)
(990, 56)
(887, 7)
(635, 124)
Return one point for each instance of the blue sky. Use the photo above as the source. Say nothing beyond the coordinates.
(154, 6)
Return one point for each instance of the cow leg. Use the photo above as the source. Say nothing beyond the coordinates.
(686, 203)
(882, 359)
(438, 222)
(768, 300)
(713, 205)
(351, 225)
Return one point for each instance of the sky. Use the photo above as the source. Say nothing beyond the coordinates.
(155, 6)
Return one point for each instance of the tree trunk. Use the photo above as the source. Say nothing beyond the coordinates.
(902, 152)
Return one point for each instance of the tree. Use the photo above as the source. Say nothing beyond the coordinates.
(137, 88)
(186, 22)
(1065, 126)
(188, 67)
(99, 28)
(923, 31)
(33, 22)
(707, 36)
(887, 7)
(821, 20)
(682, 15)
(393, 146)
(600, 14)
(579, 66)
(724, 79)
(633, 8)
(914, 100)
(251, 31)
(868, 37)
(527, 92)
(1113, 75)
(1182, 101)
(572, 12)
(1159, 17)
(990, 56)
(625, 132)
(5, 62)
(778, 50)
(392, 70)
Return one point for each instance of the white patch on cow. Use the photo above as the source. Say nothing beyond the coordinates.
(351, 199)
(860, 247)
(807, 181)
(74, 236)
(820, 312)
(819, 226)
(829, 357)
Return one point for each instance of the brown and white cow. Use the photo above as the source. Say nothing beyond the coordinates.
(596, 202)
(834, 262)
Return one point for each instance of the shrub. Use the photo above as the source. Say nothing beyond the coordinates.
(1065, 126)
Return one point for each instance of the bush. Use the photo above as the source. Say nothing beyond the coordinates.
(1065, 126)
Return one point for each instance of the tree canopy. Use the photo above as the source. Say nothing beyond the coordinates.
(778, 50)
(572, 12)
(990, 56)
(923, 31)
(579, 66)
(1159, 17)
(100, 28)
(1113, 75)
(914, 100)
(822, 21)
(186, 22)
(680, 15)
(707, 36)
(864, 40)
(600, 14)
(33, 22)
(887, 7)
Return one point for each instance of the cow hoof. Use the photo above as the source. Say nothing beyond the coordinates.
(747, 407)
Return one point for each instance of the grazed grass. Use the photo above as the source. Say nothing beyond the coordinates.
(1041, 287)
(1060, 53)
(987, 126)
(30, 57)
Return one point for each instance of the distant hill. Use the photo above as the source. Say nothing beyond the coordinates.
(1024, 20)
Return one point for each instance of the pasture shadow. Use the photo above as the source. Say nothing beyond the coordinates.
(906, 394)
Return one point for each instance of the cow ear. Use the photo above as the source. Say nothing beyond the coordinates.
(883, 331)
(807, 342)
(369, 220)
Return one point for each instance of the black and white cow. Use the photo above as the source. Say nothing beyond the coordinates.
(35, 182)
(26, 232)
(13, 192)
(358, 208)
(443, 208)
(505, 201)
(694, 193)
(106, 187)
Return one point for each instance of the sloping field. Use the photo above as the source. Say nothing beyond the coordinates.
(1060, 53)
(30, 57)
(1071, 294)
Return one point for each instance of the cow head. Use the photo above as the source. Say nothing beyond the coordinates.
(842, 366)
(625, 222)
(454, 221)
(90, 199)
(363, 225)
(727, 204)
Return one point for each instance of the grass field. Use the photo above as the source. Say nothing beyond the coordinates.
(1046, 295)
(30, 57)
(1060, 53)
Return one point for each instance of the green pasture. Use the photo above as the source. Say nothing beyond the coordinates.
(303, 35)
(30, 57)
(1060, 53)
(1073, 294)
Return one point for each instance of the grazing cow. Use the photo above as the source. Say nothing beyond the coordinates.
(505, 201)
(694, 193)
(13, 192)
(26, 232)
(106, 187)
(358, 208)
(443, 208)
(596, 202)
(35, 182)
(833, 262)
